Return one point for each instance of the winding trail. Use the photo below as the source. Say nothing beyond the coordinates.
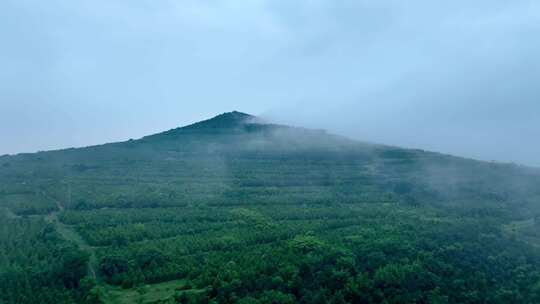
(70, 234)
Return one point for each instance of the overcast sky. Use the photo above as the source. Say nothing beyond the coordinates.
(461, 77)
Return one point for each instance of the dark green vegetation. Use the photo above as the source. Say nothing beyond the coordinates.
(233, 211)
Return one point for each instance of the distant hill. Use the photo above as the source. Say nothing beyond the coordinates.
(230, 140)
(248, 210)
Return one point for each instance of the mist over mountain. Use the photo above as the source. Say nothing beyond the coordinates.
(458, 77)
(390, 154)
(237, 209)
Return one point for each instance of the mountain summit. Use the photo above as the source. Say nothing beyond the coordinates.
(225, 120)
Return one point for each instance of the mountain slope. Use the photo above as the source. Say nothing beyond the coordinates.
(334, 217)
(222, 146)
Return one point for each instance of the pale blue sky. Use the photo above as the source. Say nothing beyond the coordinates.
(461, 77)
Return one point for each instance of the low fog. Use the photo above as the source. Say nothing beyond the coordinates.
(459, 78)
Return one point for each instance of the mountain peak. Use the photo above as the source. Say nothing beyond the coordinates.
(235, 116)
(225, 120)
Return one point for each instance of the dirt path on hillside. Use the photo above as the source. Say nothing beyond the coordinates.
(69, 233)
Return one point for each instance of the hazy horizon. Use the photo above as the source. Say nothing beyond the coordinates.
(458, 78)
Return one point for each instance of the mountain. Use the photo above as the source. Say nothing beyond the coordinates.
(246, 210)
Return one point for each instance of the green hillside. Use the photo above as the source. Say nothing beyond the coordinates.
(237, 210)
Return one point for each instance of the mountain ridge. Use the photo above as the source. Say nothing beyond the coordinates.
(240, 121)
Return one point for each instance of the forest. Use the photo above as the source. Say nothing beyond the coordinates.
(236, 210)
